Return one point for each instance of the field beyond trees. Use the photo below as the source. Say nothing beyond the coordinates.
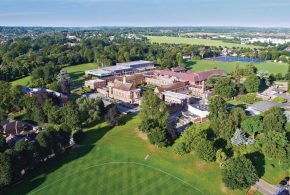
(193, 41)
(268, 66)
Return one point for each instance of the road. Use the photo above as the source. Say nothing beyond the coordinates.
(266, 188)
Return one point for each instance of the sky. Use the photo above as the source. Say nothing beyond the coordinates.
(89, 13)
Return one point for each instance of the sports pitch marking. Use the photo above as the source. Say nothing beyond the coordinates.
(108, 163)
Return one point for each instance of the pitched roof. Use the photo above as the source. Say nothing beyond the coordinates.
(192, 76)
(170, 86)
(12, 127)
(124, 86)
(134, 77)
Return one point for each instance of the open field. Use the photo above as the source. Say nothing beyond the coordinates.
(112, 162)
(76, 73)
(269, 66)
(23, 81)
(192, 41)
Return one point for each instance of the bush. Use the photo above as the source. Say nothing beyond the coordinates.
(78, 136)
(280, 100)
(249, 98)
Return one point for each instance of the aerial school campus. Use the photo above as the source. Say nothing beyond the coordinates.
(109, 156)
(143, 110)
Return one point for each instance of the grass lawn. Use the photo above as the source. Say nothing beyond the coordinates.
(23, 81)
(192, 41)
(111, 161)
(76, 73)
(270, 67)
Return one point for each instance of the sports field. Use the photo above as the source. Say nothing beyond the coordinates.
(111, 161)
(192, 41)
(268, 66)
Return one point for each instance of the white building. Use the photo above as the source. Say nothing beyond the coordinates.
(198, 110)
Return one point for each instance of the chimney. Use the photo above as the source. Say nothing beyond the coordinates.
(202, 86)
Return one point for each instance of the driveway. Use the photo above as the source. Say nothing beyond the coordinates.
(266, 188)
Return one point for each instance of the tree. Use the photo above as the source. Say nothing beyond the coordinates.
(250, 69)
(188, 139)
(3, 115)
(237, 74)
(239, 173)
(205, 150)
(25, 152)
(71, 116)
(89, 109)
(274, 145)
(64, 82)
(238, 114)
(252, 125)
(6, 174)
(179, 59)
(274, 120)
(221, 157)
(239, 138)
(252, 83)
(113, 116)
(225, 88)
(5, 95)
(212, 80)
(158, 137)
(154, 116)
(3, 145)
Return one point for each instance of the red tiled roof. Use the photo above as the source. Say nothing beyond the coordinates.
(191, 76)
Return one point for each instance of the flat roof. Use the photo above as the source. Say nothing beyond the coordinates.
(201, 107)
(132, 63)
(115, 68)
(94, 80)
(98, 72)
(175, 95)
(263, 106)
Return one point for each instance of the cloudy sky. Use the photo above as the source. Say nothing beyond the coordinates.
(262, 13)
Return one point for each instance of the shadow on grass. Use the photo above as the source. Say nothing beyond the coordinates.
(39, 174)
(258, 160)
(189, 64)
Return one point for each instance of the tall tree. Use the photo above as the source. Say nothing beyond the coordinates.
(154, 116)
(225, 88)
(239, 173)
(252, 125)
(64, 82)
(252, 83)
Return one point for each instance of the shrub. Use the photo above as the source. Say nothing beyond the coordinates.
(249, 98)
(280, 100)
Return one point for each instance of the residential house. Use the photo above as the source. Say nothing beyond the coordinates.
(44, 94)
(13, 127)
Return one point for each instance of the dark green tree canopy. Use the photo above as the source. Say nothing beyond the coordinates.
(239, 173)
